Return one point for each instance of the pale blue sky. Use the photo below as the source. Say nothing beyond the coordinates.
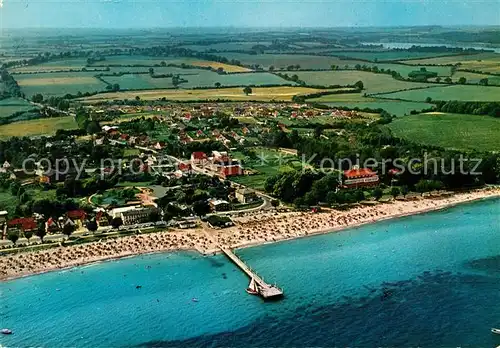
(245, 13)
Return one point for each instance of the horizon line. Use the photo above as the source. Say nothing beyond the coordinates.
(264, 27)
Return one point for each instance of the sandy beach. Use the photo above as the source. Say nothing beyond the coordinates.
(249, 230)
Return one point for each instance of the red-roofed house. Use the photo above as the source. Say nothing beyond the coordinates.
(51, 225)
(198, 157)
(25, 224)
(77, 215)
(124, 137)
(102, 219)
(360, 177)
(228, 171)
(185, 167)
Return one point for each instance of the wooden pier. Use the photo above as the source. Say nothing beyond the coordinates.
(266, 291)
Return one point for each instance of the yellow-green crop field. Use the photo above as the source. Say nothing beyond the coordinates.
(284, 93)
(43, 126)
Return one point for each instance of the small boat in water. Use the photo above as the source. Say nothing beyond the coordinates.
(6, 331)
(253, 289)
(495, 331)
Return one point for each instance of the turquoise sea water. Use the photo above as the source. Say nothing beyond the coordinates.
(428, 280)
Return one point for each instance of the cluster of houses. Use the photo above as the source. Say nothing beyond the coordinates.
(77, 219)
(74, 218)
(219, 163)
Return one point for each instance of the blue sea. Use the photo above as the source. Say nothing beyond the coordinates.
(430, 280)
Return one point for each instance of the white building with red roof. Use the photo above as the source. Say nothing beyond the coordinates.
(360, 177)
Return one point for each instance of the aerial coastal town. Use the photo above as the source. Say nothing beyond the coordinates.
(170, 145)
(192, 176)
(249, 173)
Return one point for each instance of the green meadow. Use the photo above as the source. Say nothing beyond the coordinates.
(455, 131)
(394, 107)
(10, 106)
(455, 92)
(387, 55)
(268, 162)
(373, 83)
(59, 84)
(282, 61)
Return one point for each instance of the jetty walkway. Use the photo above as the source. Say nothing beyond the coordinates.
(266, 291)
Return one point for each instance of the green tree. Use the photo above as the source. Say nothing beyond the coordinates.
(201, 208)
(93, 127)
(116, 222)
(37, 98)
(395, 192)
(484, 82)
(462, 80)
(68, 229)
(217, 84)
(359, 85)
(447, 80)
(28, 235)
(41, 232)
(404, 190)
(13, 236)
(377, 193)
(154, 216)
(247, 90)
(92, 226)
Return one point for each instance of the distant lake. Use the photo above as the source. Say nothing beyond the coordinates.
(406, 45)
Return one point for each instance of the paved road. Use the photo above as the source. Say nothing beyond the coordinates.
(52, 108)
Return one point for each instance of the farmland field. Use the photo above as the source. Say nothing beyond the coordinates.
(55, 65)
(474, 78)
(158, 70)
(195, 78)
(208, 79)
(394, 107)
(139, 81)
(227, 46)
(43, 126)
(404, 70)
(469, 132)
(152, 61)
(284, 93)
(455, 92)
(487, 62)
(216, 65)
(13, 105)
(281, 61)
(373, 83)
(58, 84)
(388, 55)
